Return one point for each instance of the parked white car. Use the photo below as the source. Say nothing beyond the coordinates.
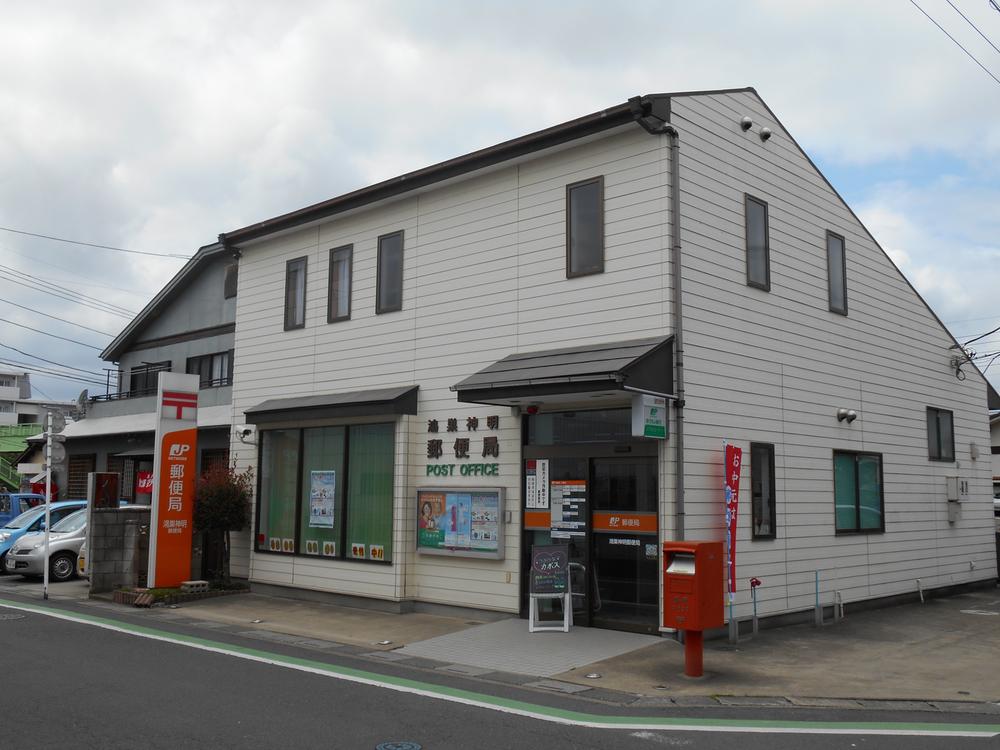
(27, 556)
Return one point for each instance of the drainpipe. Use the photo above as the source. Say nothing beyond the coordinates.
(643, 109)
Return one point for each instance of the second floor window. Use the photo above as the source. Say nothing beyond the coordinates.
(295, 294)
(585, 228)
(758, 247)
(7, 381)
(339, 299)
(143, 379)
(213, 370)
(940, 435)
(836, 263)
(389, 291)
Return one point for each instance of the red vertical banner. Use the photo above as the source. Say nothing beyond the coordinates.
(734, 464)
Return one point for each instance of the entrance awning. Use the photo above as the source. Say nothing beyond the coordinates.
(383, 401)
(613, 369)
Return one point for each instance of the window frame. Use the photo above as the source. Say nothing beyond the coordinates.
(931, 449)
(857, 493)
(843, 272)
(771, 500)
(379, 308)
(331, 316)
(211, 382)
(343, 483)
(230, 282)
(599, 181)
(747, 199)
(304, 260)
(145, 371)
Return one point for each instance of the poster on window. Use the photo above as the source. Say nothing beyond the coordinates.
(460, 522)
(733, 467)
(322, 498)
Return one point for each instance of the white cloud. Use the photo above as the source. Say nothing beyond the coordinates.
(159, 126)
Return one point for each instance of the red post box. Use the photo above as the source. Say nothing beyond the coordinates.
(693, 588)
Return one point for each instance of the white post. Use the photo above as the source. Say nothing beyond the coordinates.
(48, 500)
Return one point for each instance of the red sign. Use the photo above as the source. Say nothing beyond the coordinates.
(734, 463)
(144, 483)
(175, 518)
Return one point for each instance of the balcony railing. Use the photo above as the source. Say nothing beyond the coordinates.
(140, 392)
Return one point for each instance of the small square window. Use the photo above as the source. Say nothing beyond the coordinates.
(389, 285)
(585, 227)
(940, 435)
(758, 247)
(857, 490)
(339, 299)
(295, 294)
(836, 265)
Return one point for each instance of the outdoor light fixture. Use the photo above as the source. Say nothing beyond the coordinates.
(846, 414)
(765, 133)
(745, 124)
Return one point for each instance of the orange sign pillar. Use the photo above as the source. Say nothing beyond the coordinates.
(175, 467)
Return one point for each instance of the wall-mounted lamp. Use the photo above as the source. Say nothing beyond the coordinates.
(745, 124)
(765, 133)
(846, 414)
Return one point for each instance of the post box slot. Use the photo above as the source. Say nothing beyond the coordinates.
(682, 563)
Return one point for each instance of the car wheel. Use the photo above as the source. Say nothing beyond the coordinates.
(62, 566)
(3, 564)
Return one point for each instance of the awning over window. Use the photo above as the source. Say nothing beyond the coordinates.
(643, 366)
(383, 401)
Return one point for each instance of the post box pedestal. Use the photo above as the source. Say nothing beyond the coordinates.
(694, 651)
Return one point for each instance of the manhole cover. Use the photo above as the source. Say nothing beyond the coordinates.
(405, 745)
(11, 617)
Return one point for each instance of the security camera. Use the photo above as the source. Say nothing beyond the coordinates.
(745, 124)
(765, 133)
(244, 432)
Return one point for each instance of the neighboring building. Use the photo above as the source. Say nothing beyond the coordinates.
(995, 451)
(187, 327)
(483, 324)
(18, 407)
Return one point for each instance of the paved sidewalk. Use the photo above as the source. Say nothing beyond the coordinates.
(946, 649)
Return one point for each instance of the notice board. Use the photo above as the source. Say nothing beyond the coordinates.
(460, 522)
(549, 569)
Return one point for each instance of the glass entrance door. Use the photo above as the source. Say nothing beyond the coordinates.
(612, 535)
(624, 543)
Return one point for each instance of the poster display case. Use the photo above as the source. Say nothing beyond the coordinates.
(460, 521)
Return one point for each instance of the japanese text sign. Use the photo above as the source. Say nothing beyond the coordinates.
(731, 482)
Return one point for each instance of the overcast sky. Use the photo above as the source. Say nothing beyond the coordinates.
(154, 127)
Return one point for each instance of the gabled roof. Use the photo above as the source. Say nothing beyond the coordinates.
(636, 109)
(166, 295)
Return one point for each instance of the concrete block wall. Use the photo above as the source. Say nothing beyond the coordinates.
(116, 547)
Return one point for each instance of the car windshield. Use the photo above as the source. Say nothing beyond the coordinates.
(72, 522)
(23, 520)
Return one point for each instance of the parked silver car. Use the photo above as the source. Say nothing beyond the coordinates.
(27, 556)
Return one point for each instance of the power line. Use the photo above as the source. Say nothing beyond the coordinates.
(51, 362)
(117, 309)
(91, 244)
(971, 56)
(38, 312)
(49, 372)
(81, 300)
(988, 333)
(988, 41)
(8, 248)
(61, 338)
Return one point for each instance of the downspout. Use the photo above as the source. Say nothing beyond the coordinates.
(643, 111)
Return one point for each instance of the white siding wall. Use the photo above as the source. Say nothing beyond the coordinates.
(775, 366)
(484, 276)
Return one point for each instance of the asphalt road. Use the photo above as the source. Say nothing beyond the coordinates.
(73, 685)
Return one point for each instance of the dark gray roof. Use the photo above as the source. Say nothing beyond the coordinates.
(400, 400)
(640, 364)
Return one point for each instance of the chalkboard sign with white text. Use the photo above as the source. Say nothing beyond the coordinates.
(549, 569)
